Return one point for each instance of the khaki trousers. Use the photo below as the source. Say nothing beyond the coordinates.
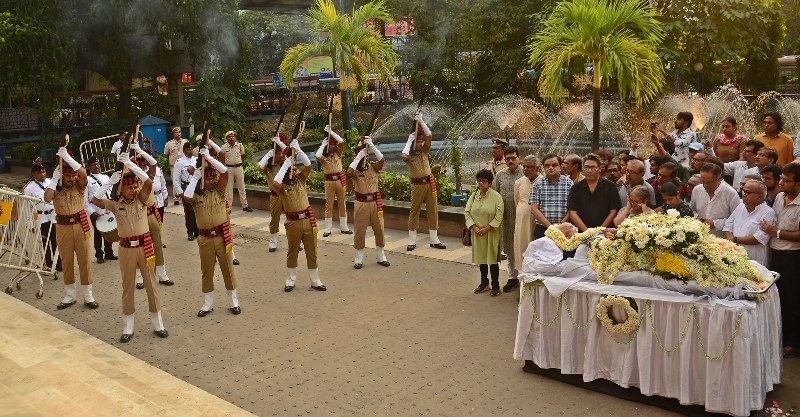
(212, 250)
(297, 231)
(129, 260)
(275, 210)
(236, 175)
(334, 189)
(73, 243)
(366, 214)
(420, 194)
(155, 233)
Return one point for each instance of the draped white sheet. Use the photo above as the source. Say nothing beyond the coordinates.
(575, 342)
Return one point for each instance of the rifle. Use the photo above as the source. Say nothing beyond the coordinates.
(119, 166)
(419, 109)
(371, 127)
(277, 134)
(201, 162)
(330, 116)
(298, 130)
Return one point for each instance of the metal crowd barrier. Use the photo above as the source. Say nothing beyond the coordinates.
(21, 245)
(102, 148)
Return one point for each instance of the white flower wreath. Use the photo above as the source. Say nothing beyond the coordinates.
(573, 242)
(603, 313)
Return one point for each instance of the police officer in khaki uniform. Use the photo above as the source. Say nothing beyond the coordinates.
(270, 164)
(301, 226)
(423, 185)
(233, 154)
(72, 227)
(498, 161)
(215, 241)
(329, 155)
(135, 242)
(174, 150)
(368, 205)
(155, 222)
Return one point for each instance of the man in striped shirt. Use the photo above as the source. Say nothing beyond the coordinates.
(549, 195)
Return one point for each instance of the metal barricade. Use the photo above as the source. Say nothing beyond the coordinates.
(101, 147)
(21, 245)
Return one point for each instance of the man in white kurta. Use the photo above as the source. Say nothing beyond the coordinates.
(742, 226)
(523, 221)
(715, 200)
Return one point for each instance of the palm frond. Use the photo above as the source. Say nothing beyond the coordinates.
(294, 57)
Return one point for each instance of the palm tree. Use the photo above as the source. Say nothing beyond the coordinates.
(619, 39)
(355, 48)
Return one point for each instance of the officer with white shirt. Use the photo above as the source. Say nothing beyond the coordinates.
(44, 212)
(117, 146)
(103, 249)
(181, 176)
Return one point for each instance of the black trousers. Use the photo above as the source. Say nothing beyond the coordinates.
(49, 232)
(102, 247)
(785, 263)
(188, 211)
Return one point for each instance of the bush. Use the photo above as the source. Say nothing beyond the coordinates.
(252, 175)
(395, 186)
(26, 151)
(316, 181)
(163, 163)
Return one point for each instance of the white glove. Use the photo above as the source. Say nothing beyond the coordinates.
(198, 173)
(125, 158)
(277, 141)
(102, 192)
(327, 129)
(287, 164)
(219, 166)
(262, 163)
(336, 137)
(68, 159)
(373, 148)
(322, 148)
(418, 118)
(407, 149)
(135, 147)
(357, 160)
(150, 160)
(213, 145)
(303, 157)
(115, 177)
(294, 144)
(140, 174)
(54, 179)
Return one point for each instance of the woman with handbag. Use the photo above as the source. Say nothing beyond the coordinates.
(484, 215)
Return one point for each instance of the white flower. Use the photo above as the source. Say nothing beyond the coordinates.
(673, 213)
(680, 236)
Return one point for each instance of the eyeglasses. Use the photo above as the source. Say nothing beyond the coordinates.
(746, 193)
(590, 167)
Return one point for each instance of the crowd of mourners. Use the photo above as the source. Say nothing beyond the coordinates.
(743, 188)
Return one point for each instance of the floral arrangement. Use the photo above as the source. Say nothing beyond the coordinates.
(603, 313)
(776, 411)
(672, 247)
(554, 233)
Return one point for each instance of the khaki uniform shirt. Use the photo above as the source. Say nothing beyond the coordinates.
(69, 200)
(495, 166)
(233, 153)
(332, 164)
(131, 216)
(366, 182)
(209, 207)
(174, 150)
(294, 196)
(418, 164)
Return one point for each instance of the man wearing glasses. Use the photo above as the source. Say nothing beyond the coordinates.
(785, 247)
(742, 228)
(504, 184)
(549, 194)
(594, 201)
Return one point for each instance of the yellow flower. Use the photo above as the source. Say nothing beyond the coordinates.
(670, 263)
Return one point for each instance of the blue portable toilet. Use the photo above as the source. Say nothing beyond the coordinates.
(156, 129)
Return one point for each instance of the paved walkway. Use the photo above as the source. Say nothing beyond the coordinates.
(408, 340)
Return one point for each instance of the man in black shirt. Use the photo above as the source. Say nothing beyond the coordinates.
(595, 201)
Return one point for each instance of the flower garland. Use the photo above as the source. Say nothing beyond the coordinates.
(673, 247)
(603, 309)
(572, 243)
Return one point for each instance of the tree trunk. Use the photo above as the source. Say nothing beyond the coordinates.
(124, 104)
(347, 111)
(596, 107)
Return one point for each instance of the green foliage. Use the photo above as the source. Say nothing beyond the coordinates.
(163, 162)
(316, 181)
(444, 189)
(26, 151)
(356, 49)
(271, 35)
(395, 186)
(456, 160)
(151, 102)
(38, 53)
(252, 175)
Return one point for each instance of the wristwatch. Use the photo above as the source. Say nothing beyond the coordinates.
(734, 239)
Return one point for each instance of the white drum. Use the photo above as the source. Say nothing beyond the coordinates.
(106, 222)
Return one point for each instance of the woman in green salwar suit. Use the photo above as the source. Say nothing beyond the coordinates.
(484, 215)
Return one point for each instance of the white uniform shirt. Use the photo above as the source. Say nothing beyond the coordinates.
(36, 189)
(180, 172)
(116, 147)
(717, 208)
(743, 223)
(160, 188)
(94, 182)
